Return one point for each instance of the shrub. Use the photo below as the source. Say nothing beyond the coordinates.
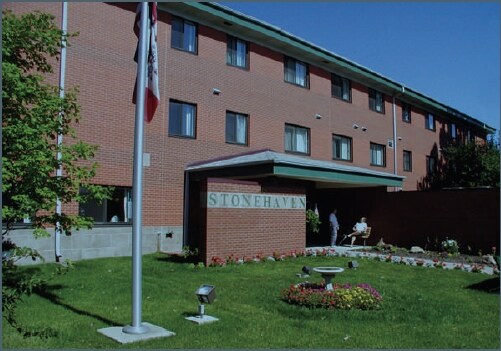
(346, 296)
(450, 246)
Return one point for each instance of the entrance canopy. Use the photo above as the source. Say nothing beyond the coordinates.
(266, 163)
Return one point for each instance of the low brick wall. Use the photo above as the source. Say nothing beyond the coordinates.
(470, 216)
(246, 232)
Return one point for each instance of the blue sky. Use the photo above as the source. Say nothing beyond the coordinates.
(449, 51)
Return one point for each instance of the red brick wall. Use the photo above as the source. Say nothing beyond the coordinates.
(249, 232)
(99, 62)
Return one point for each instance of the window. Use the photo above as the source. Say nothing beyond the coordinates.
(431, 164)
(376, 101)
(236, 128)
(407, 161)
(297, 139)
(118, 209)
(184, 35)
(182, 119)
(430, 122)
(237, 53)
(341, 87)
(341, 148)
(378, 155)
(453, 131)
(406, 112)
(296, 72)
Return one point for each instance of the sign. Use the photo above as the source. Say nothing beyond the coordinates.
(261, 201)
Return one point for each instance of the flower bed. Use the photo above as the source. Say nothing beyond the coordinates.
(345, 296)
(399, 257)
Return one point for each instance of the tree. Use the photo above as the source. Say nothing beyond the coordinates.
(468, 165)
(33, 115)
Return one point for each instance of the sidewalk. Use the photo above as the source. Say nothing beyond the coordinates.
(348, 251)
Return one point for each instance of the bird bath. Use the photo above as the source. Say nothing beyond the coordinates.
(328, 273)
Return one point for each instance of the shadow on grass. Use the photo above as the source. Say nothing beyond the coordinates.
(177, 258)
(47, 292)
(489, 285)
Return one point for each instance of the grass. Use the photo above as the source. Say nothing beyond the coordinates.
(422, 307)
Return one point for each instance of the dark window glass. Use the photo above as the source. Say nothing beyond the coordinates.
(297, 139)
(236, 128)
(184, 35)
(296, 72)
(341, 148)
(182, 119)
(341, 87)
(376, 101)
(378, 155)
(237, 53)
(406, 112)
(407, 161)
(118, 209)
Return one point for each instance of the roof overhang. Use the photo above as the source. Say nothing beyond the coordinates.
(267, 163)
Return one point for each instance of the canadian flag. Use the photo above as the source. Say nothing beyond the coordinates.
(152, 91)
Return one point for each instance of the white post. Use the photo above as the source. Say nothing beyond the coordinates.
(395, 168)
(59, 170)
(137, 198)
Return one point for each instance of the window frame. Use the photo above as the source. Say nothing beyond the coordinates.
(230, 114)
(104, 208)
(427, 122)
(431, 167)
(407, 166)
(230, 39)
(308, 141)
(406, 108)
(307, 72)
(341, 80)
(350, 147)
(371, 148)
(171, 132)
(373, 94)
(173, 40)
(453, 131)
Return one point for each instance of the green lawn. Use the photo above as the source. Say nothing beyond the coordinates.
(422, 307)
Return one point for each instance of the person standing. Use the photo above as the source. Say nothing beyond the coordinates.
(334, 225)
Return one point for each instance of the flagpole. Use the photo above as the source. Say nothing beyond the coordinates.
(137, 327)
(59, 170)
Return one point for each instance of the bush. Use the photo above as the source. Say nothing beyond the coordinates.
(450, 246)
(346, 296)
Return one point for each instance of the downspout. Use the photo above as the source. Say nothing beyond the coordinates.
(395, 168)
(395, 138)
(59, 171)
(186, 207)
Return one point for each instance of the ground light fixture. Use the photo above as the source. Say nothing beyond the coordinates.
(353, 264)
(306, 272)
(206, 295)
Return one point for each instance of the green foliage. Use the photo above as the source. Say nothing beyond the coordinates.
(33, 115)
(313, 221)
(450, 246)
(468, 165)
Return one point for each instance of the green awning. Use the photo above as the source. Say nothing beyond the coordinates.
(266, 163)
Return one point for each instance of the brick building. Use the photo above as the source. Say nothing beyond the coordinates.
(254, 126)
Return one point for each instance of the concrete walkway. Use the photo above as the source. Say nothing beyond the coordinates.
(354, 251)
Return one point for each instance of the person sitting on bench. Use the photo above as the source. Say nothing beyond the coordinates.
(359, 229)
